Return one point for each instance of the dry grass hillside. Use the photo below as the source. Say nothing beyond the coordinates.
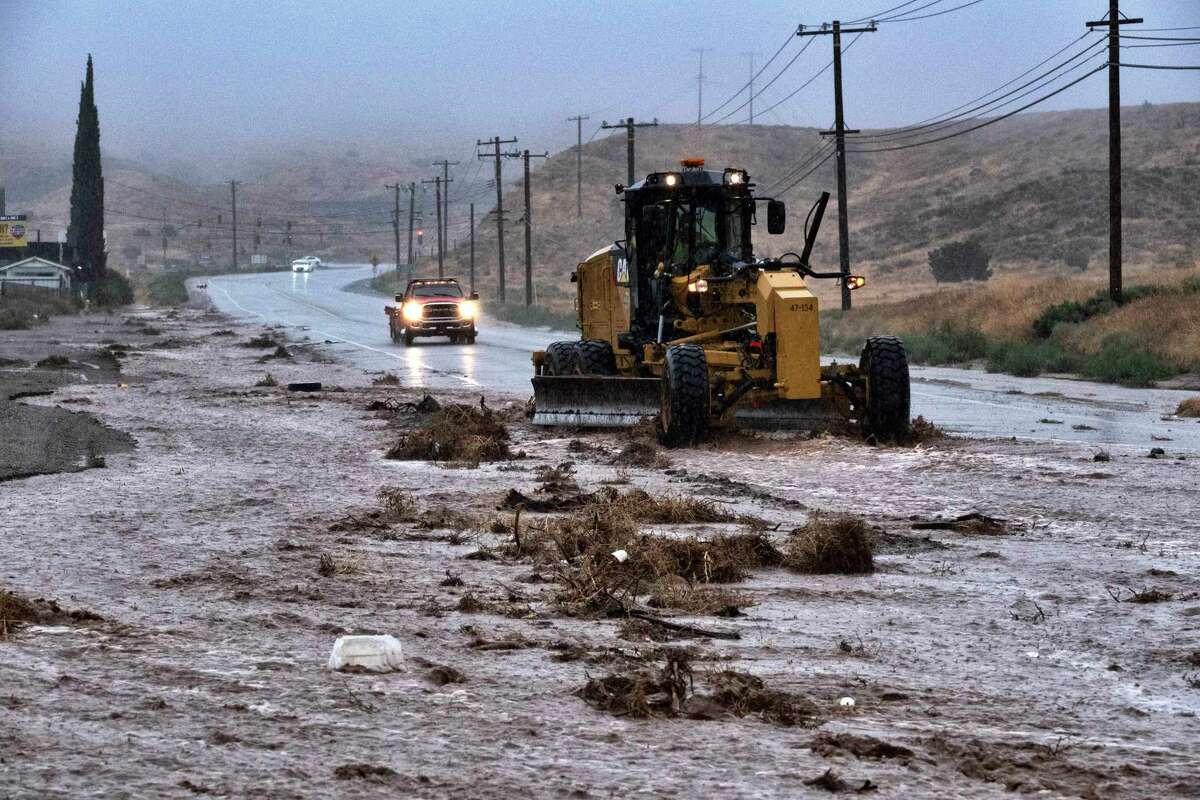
(1029, 186)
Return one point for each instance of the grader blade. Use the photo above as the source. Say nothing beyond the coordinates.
(594, 401)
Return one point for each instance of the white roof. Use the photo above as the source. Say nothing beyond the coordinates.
(36, 261)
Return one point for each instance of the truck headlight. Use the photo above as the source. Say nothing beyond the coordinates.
(411, 312)
(468, 309)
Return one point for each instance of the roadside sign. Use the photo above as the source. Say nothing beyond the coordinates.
(13, 230)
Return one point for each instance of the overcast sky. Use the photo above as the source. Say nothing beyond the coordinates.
(220, 80)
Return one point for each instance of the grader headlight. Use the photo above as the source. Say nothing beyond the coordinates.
(855, 281)
(695, 287)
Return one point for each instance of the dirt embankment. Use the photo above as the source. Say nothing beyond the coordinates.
(582, 614)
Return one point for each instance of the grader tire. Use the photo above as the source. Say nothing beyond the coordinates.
(683, 417)
(595, 357)
(560, 359)
(884, 364)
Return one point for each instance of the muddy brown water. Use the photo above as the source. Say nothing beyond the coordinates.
(999, 661)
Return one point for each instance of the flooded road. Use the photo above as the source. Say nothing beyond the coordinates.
(322, 306)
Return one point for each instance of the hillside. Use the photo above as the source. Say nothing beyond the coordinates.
(1028, 186)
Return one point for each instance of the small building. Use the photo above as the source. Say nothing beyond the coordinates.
(36, 271)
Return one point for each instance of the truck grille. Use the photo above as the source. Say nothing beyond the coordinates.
(441, 311)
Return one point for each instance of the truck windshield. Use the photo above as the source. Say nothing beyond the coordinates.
(711, 228)
(437, 290)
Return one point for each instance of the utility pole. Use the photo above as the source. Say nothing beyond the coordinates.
(472, 248)
(529, 230)
(2, 206)
(164, 236)
(839, 132)
(578, 120)
(629, 125)
(1113, 23)
(396, 219)
(443, 236)
(751, 54)
(412, 198)
(233, 203)
(495, 142)
(700, 83)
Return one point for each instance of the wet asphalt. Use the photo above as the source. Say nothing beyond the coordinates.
(322, 307)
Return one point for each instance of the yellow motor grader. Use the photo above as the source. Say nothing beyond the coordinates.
(681, 322)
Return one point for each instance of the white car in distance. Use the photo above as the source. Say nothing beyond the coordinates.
(306, 264)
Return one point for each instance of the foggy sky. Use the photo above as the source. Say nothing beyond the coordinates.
(218, 82)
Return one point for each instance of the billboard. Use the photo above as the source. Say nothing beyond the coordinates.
(13, 230)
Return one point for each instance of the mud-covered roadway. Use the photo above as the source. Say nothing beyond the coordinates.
(989, 662)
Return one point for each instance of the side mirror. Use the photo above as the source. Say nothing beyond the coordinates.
(776, 216)
(654, 216)
(474, 296)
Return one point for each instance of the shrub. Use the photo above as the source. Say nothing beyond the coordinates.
(960, 261)
(1076, 255)
(15, 319)
(1125, 360)
(946, 344)
(114, 290)
(167, 289)
(1028, 359)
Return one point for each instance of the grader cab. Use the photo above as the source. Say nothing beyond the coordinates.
(681, 322)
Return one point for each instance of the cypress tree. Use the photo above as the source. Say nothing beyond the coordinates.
(86, 233)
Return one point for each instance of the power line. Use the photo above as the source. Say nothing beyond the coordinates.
(879, 14)
(804, 85)
(832, 152)
(903, 18)
(991, 121)
(1054, 55)
(1151, 66)
(778, 75)
(1041, 81)
(753, 77)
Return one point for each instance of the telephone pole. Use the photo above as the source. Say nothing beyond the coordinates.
(472, 248)
(752, 54)
(529, 230)
(700, 83)
(412, 199)
(396, 219)
(164, 236)
(630, 126)
(443, 234)
(578, 120)
(839, 132)
(233, 203)
(1113, 23)
(495, 142)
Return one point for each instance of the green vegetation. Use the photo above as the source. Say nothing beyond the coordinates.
(1134, 343)
(87, 191)
(168, 288)
(34, 308)
(1099, 303)
(960, 261)
(114, 289)
(1124, 359)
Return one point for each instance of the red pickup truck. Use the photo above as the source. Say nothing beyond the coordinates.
(433, 307)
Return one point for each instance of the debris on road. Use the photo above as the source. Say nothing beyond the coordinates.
(1189, 408)
(827, 544)
(455, 433)
(973, 523)
(366, 653)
